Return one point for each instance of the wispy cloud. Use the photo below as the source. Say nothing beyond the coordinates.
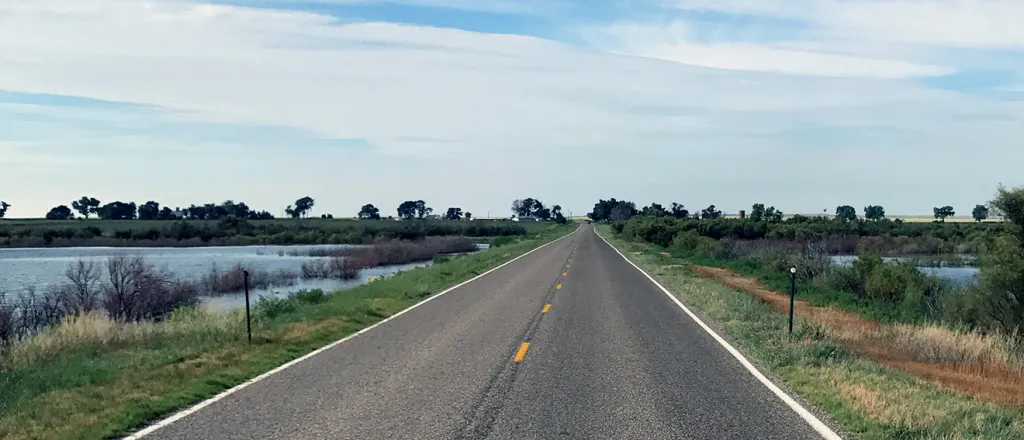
(283, 103)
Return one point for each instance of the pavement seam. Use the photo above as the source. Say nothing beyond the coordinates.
(199, 406)
(820, 427)
(483, 414)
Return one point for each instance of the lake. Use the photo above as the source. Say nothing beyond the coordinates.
(959, 275)
(44, 267)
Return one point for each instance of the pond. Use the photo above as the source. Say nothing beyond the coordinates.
(959, 275)
(21, 268)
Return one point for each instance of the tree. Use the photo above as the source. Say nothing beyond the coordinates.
(602, 210)
(149, 211)
(874, 212)
(3, 208)
(166, 214)
(757, 212)
(530, 207)
(710, 213)
(623, 211)
(654, 210)
(61, 212)
(302, 207)
(1009, 203)
(117, 211)
(943, 212)
(557, 216)
(469, 216)
(846, 213)
(980, 213)
(422, 211)
(407, 210)
(86, 206)
(679, 211)
(369, 212)
(453, 214)
(772, 215)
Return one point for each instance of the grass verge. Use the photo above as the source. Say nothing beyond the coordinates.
(868, 399)
(90, 378)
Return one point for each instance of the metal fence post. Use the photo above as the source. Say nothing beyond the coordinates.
(792, 297)
(248, 319)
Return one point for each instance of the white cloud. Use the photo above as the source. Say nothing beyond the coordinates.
(438, 107)
(673, 43)
(966, 23)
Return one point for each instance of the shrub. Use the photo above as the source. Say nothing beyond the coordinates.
(272, 307)
(314, 296)
(440, 259)
(887, 283)
(502, 241)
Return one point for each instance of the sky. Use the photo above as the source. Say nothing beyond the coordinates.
(800, 104)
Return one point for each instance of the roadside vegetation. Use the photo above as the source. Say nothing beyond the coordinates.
(954, 354)
(843, 233)
(93, 376)
(868, 397)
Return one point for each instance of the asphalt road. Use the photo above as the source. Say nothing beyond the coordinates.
(610, 356)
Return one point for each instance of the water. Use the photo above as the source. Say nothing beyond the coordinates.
(959, 275)
(20, 268)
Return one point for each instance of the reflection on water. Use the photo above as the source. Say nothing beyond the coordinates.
(20, 268)
(959, 275)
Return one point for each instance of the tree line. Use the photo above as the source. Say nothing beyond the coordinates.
(418, 209)
(620, 210)
(151, 210)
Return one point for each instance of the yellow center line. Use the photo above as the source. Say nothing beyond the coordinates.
(558, 287)
(546, 308)
(522, 352)
(565, 274)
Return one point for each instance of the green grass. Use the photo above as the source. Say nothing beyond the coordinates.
(96, 379)
(868, 400)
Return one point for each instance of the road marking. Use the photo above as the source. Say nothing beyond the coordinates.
(522, 352)
(558, 287)
(546, 308)
(565, 274)
(199, 406)
(811, 420)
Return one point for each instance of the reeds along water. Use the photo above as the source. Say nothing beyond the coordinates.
(345, 263)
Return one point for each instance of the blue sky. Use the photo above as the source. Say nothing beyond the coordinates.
(804, 104)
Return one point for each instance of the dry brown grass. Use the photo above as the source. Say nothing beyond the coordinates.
(100, 331)
(985, 366)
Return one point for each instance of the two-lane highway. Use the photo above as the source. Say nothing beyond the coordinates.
(567, 342)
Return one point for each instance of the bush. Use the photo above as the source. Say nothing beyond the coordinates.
(887, 283)
(272, 307)
(440, 259)
(315, 296)
(502, 241)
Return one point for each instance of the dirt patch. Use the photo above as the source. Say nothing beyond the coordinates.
(664, 254)
(990, 381)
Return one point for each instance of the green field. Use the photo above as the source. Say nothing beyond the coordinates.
(94, 378)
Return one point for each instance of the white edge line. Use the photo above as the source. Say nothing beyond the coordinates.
(811, 420)
(199, 406)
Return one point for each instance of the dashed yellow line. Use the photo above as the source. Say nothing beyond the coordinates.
(558, 287)
(546, 308)
(522, 352)
(565, 274)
